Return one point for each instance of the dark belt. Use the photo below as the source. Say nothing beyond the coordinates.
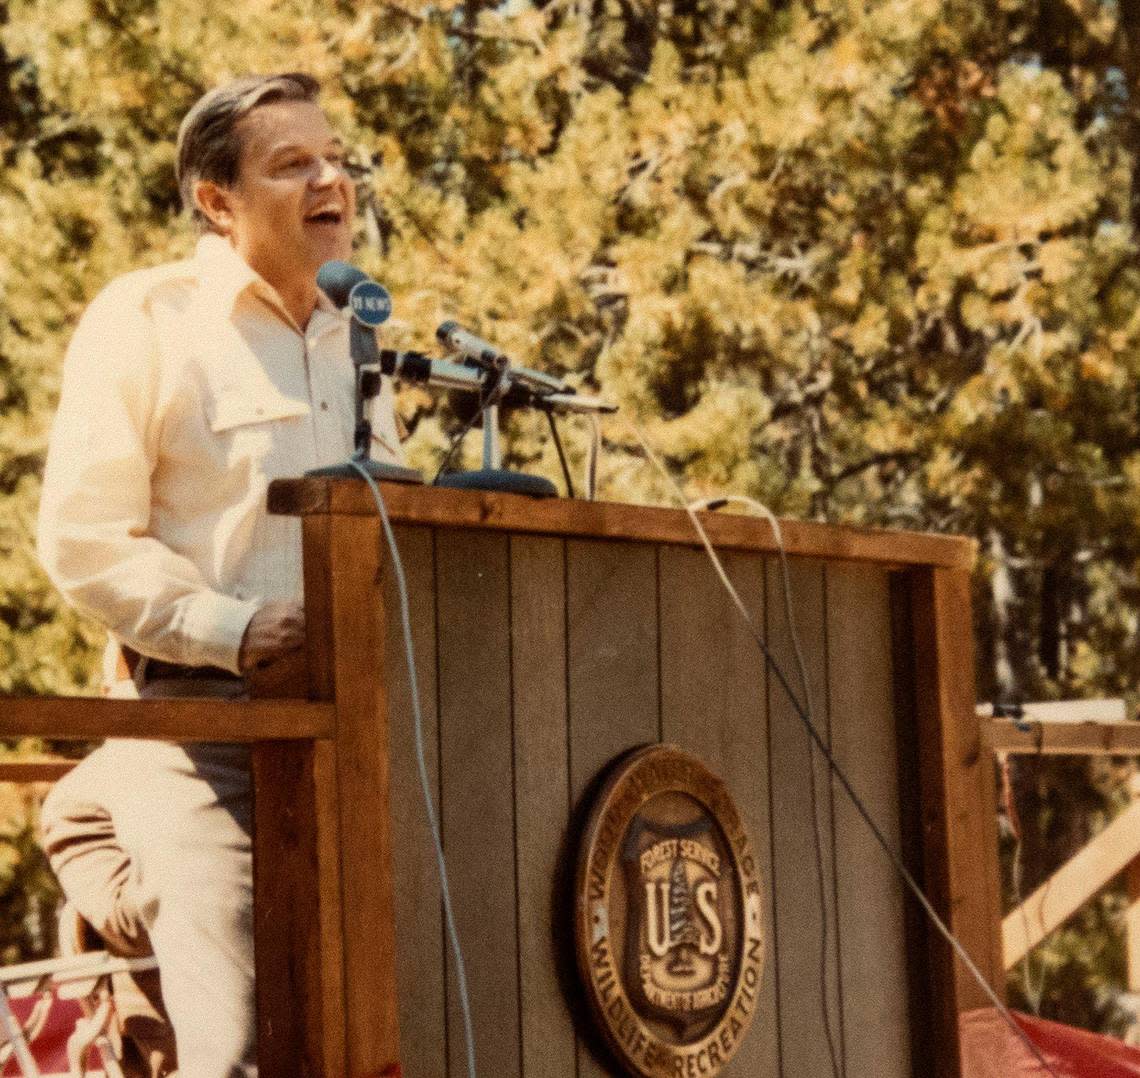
(157, 670)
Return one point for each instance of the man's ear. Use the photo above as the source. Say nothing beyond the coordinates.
(216, 202)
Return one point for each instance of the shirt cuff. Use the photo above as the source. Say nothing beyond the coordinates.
(213, 628)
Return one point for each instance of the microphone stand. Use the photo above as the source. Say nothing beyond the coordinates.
(484, 370)
(363, 345)
(493, 476)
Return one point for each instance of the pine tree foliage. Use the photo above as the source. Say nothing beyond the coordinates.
(867, 260)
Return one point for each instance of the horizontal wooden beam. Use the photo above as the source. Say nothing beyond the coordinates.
(1063, 738)
(611, 520)
(1071, 886)
(25, 770)
(81, 718)
(1061, 711)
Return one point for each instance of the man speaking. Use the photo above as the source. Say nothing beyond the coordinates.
(186, 389)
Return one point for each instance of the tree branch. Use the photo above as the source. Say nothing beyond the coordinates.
(465, 32)
(897, 456)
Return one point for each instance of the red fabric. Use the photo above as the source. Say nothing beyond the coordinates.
(49, 1049)
(990, 1049)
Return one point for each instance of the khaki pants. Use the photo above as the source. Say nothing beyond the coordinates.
(151, 844)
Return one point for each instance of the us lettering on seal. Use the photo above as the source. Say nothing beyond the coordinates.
(669, 916)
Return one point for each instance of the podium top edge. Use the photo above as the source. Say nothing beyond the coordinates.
(448, 508)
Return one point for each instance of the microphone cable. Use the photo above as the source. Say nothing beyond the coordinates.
(421, 764)
(561, 452)
(893, 856)
(838, 1064)
(455, 442)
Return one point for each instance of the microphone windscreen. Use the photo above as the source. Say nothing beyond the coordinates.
(336, 279)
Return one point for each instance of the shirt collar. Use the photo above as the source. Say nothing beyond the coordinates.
(226, 275)
(222, 272)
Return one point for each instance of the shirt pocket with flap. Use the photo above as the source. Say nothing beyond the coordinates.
(254, 424)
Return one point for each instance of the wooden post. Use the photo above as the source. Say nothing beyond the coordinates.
(355, 609)
(324, 909)
(299, 992)
(1132, 921)
(957, 803)
(298, 948)
(1132, 925)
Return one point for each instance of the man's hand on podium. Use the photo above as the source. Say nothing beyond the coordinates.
(277, 629)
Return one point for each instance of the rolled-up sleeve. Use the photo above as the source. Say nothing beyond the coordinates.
(94, 536)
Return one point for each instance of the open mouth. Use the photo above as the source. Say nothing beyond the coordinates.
(325, 217)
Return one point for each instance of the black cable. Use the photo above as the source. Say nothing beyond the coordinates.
(838, 1063)
(896, 860)
(824, 936)
(561, 452)
(455, 442)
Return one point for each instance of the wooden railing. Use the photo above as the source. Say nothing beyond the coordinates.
(35, 769)
(317, 730)
(1093, 728)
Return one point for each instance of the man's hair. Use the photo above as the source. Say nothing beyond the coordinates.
(209, 145)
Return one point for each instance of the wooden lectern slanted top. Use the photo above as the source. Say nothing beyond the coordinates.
(550, 637)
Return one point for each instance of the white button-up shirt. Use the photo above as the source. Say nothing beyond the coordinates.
(186, 389)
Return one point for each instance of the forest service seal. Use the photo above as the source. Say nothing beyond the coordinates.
(669, 916)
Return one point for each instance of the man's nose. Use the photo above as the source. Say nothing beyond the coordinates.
(327, 173)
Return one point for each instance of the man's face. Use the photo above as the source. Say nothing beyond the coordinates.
(292, 207)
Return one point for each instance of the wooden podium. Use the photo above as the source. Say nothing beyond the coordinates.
(550, 637)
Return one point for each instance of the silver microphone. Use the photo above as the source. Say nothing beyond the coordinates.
(576, 402)
(485, 354)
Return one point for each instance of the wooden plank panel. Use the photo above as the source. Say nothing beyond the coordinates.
(316, 534)
(612, 643)
(610, 520)
(334, 1028)
(542, 796)
(870, 900)
(296, 882)
(799, 919)
(916, 925)
(612, 646)
(319, 857)
(477, 795)
(419, 927)
(714, 704)
(357, 622)
(958, 803)
(84, 718)
(298, 913)
(1062, 738)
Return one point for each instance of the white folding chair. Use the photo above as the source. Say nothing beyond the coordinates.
(86, 977)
